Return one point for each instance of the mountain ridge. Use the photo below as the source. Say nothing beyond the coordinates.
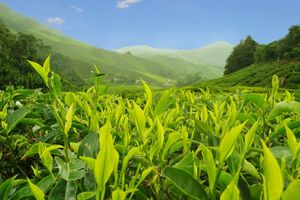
(194, 55)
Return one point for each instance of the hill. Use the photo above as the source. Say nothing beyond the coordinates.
(213, 54)
(120, 68)
(280, 57)
(199, 64)
(261, 75)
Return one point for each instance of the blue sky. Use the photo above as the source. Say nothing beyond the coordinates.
(181, 24)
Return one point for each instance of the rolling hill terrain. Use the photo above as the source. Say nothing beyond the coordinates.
(213, 54)
(210, 59)
(122, 68)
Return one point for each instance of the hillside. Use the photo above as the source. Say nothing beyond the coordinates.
(195, 64)
(182, 66)
(261, 75)
(214, 54)
(121, 68)
(254, 64)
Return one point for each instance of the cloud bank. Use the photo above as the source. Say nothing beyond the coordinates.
(55, 21)
(126, 3)
(77, 9)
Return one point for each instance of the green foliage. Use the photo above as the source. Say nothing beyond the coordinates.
(260, 75)
(15, 49)
(173, 144)
(280, 58)
(242, 56)
(286, 48)
(273, 182)
(36, 191)
(231, 193)
(185, 182)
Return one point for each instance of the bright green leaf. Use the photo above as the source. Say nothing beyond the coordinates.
(228, 142)
(85, 195)
(231, 193)
(107, 157)
(118, 195)
(36, 191)
(139, 119)
(69, 118)
(273, 182)
(250, 136)
(284, 107)
(292, 192)
(292, 142)
(40, 70)
(211, 166)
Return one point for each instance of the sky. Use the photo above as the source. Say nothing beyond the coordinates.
(180, 24)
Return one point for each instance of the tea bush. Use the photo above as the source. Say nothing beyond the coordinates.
(174, 144)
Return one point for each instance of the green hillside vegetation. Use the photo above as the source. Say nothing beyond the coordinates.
(281, 57)
(124, 69)
(260, 74)
(197, 64)
(15, 70)
(214, 54)
(196, 71)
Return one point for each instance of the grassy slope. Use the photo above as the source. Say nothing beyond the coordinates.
(214, 54)
(261, 75)
(207, 61)
(124, 68)
(181, 66)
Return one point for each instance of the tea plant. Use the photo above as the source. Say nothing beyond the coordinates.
(175, 144)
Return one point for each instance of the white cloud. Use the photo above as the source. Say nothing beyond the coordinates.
(77, 9)
(55, 20)
(126, 3)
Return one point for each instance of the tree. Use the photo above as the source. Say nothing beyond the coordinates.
(242, 55)
(15, 49)
(287, 45)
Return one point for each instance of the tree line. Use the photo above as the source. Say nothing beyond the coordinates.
(248, 51)
(15, 50)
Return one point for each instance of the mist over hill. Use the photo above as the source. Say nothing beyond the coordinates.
(214, 54)
(156, 66)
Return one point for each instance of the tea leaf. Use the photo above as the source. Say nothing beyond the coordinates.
(69, 118)
(106, 159)
(36, 191)
(211, 166)
(15, 117)
(40, 70)
(292, 142)
(85, 195)
(139, 119)
(250, 136)
(118, 195)
(185, 183)
(228, 142)
(72, 170)
(292, 191)
(6, 188)
(273, 182)
(284, 107)
(231, 193)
